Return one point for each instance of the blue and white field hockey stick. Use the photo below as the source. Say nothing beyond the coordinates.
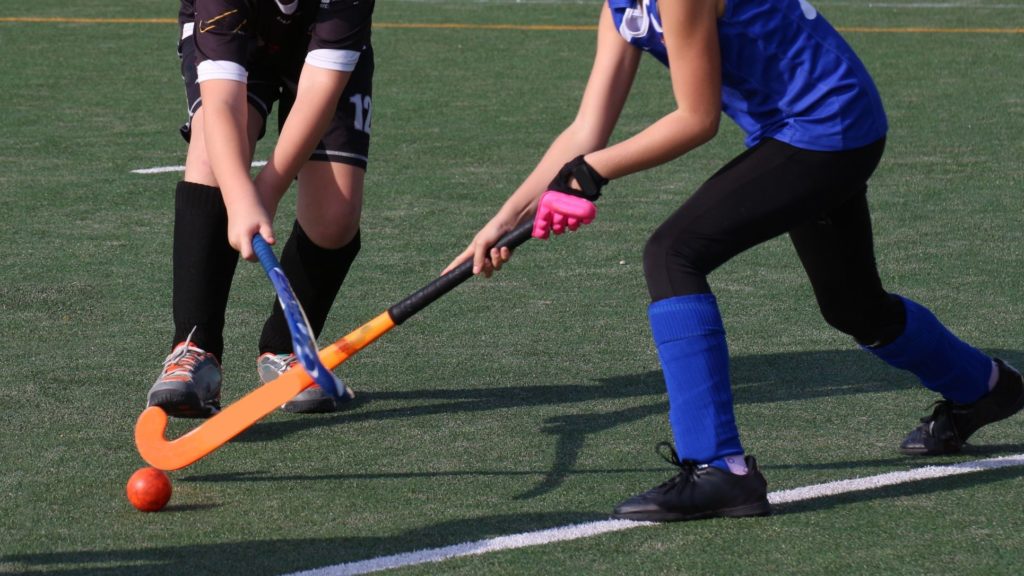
(303, 340)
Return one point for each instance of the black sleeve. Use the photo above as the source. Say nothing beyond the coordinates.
(342, 25)
(223, 30)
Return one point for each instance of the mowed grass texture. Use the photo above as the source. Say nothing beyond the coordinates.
(529, 401)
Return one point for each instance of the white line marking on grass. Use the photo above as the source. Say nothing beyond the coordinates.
(572, 532)
(577, 531)
(162, 169)
(891, 479)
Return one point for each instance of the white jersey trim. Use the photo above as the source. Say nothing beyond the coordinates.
(221, 70)
(340, 154)
(186, 30)
(287, 8)
(340, 60)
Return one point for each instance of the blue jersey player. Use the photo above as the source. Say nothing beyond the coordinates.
(815, 130)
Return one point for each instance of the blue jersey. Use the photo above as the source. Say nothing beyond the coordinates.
(786, 73)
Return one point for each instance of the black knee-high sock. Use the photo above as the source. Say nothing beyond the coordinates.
(316, 275)
(204, 264)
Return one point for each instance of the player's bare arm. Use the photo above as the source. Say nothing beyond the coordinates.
(608, 86)
(691, 40)
(225, 134)
(315, 103)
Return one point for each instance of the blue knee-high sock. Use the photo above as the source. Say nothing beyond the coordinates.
(943, 362)
(690, 337)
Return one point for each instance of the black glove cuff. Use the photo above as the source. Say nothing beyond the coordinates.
(586, 177)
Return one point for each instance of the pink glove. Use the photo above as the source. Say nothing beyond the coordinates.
(558, 211)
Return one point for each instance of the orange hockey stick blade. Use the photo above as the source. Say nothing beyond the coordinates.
(218, 430)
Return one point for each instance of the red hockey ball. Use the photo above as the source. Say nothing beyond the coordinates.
(149, 489)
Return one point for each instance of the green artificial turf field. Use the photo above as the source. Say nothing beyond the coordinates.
(526, 402)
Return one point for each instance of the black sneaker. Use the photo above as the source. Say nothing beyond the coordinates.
(699, 491)
(951, 424)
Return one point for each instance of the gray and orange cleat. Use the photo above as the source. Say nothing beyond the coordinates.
(189, 384)
(311, 400)
(950, 424)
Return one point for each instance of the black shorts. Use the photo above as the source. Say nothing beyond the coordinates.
(273, 79)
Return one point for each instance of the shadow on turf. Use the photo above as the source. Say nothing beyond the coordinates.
(286, 555)
(181, 508)
(970, 451)
(768, 378)
(772, 378)
(278, 556)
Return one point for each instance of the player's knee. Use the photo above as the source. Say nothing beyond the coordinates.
(305, 242)
(330, 202)
(331, 225)
(871, 322)
(670, 266)
(199, 170)
(657, 252)
(332, 237)
(845, 320)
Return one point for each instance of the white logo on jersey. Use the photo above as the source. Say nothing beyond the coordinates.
(809, 11)
(638, 20)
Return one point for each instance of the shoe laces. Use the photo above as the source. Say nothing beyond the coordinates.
(289, 361)
(284, 362)
(939, 408)
(687, 468)
(183, 359)
(944, 414)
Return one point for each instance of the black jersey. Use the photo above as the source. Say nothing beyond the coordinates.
(328, 33)
(265, 45)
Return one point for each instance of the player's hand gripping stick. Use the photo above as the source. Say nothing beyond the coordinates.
(558, 212)
(213, 433)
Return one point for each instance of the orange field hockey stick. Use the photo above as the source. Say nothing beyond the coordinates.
(213, 433)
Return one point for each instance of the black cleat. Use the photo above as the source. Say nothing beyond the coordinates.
(697, 492)
(951, 424)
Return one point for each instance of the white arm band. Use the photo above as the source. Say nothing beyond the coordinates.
(221, 70)
(340, 60)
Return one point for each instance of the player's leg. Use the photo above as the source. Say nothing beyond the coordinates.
(316, 258)
(325, 239)
(204, 262)
(203, 265)
(838, 255)
(762, 194)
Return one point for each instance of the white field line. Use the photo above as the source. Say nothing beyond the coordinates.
(577, 531)
(162, 169)
(511, 542)
(891, 479)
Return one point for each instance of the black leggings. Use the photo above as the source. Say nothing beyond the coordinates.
(819, 198)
